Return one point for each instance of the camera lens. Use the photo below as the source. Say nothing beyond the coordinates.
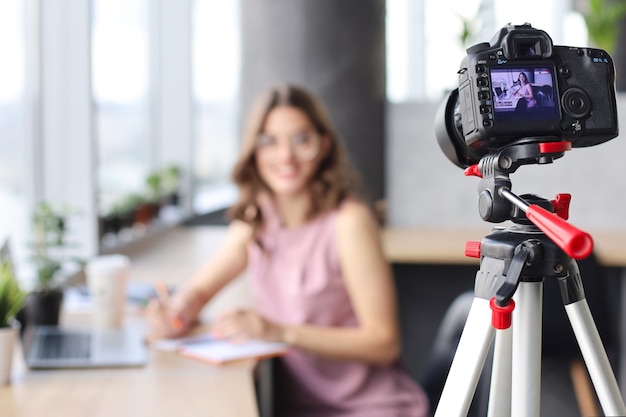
(576, 103)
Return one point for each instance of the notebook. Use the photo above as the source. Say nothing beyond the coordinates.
(58, 347)
(206, 348)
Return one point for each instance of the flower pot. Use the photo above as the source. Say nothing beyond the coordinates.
(110, 224)
(145, 212)
(8, 338)
(172, 199)
(44, 307)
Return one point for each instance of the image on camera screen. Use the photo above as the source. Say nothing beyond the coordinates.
(523, 94)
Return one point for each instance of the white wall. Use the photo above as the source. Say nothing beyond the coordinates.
(424, 189)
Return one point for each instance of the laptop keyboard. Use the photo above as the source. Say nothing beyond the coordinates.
(64, 346)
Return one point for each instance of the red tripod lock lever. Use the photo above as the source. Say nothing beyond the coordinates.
(574, 242)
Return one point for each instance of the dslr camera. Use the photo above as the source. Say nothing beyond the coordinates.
(519, 87)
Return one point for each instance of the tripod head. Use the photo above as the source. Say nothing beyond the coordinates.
(570, 102)
(497, 203)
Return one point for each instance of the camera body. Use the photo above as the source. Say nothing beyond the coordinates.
(520, 86)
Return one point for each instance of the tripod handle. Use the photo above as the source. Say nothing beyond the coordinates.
(575, 242)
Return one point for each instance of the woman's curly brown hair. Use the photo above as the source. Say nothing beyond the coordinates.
(334, 179)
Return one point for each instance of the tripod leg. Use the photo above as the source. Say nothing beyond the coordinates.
(527, 318)
(595, 358)
(501, 375)
(468, 362)
(590, 344)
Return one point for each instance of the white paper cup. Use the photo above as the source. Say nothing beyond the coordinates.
(106, 280)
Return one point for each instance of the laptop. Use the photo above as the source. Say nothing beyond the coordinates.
(48, 347)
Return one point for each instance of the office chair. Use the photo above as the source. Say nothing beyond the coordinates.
(264, 380)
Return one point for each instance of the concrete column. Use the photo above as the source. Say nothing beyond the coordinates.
(335, 48)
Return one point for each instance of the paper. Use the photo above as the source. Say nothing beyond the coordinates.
(206, 348)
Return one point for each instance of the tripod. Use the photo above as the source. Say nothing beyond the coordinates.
(508, 293)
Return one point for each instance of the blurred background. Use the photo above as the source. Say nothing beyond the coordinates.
(109, 105)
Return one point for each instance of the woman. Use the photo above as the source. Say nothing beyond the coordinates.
(318, 274)
(525, 91)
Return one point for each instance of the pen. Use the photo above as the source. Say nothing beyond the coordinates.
(164, 298)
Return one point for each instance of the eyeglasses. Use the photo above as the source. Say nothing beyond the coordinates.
(305, 146)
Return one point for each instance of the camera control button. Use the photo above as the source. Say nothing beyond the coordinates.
(596, 53)
(576, 103)
(565, 71)
(482, 82)
(487, 123)
(485, 109)
(481, 69)
(483, 95)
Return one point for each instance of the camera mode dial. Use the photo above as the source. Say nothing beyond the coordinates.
(576, 103)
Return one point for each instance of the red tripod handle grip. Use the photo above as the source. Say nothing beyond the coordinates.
(573, 241)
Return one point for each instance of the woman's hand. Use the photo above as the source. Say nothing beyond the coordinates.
(173, 317)
(161, 321)
(242, 325)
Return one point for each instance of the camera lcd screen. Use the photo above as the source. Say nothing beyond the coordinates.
(524, 94)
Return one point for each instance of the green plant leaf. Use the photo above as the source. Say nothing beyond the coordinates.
(602, 18)
(50, 226)
(12, 297)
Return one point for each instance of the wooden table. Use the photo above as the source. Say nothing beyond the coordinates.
(170, 385)
(446, 246)
(429, 246)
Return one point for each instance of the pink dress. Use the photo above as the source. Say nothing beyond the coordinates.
(297, 279)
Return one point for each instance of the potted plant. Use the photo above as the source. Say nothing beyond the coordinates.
(134, 204)
(170, 179)
(117, 221)
(11, 302)
(109, 224)
(49, 246)
(154, 194)
(602, 18)
(124, 211)
(471, 26)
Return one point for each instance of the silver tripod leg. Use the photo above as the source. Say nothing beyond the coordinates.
(527, 319)
(501, 375)
(595, 357)
(468, 361)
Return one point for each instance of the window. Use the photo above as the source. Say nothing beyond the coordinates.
(15, 137)
(121, 94)
(215, 86)
(424, 47)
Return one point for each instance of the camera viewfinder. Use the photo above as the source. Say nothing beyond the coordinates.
(528, 48)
